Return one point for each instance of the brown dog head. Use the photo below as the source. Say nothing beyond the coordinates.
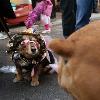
(79, 64)
(21, 44)
(26, 47)
(26, 44)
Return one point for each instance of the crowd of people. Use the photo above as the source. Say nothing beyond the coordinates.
(76, 14)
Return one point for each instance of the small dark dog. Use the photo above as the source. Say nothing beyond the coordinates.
(29, 54)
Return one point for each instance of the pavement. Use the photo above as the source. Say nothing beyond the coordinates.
(48, 88)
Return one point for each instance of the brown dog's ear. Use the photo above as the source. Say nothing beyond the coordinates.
(56, 45)
(61, 47)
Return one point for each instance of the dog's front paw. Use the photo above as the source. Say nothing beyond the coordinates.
(15, 80)
(35, 83)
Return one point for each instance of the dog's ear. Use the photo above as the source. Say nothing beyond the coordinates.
(61, 47)
(56, 45)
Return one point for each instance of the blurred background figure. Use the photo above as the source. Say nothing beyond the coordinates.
(68, 9)
(34, 3)
(95, 6)
(83, 12)
(42, 11)
(53, 14)
(6, 11)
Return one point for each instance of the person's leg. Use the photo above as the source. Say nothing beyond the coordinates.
(68, 16)
(34, 3)
(83, 12)
(53, 14)
(45, 20)
(95, 6)
(3, 28)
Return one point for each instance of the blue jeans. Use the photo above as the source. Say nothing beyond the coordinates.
(83, 12)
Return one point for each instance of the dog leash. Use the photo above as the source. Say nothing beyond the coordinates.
(5, 29)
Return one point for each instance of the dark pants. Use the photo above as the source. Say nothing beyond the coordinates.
(34, 3)
(95, 4)
(3, 25)
(68, 8)
(75, 14)
(53, 14)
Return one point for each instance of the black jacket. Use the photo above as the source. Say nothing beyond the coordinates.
(6, 11)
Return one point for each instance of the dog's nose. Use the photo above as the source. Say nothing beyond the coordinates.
(33, 50)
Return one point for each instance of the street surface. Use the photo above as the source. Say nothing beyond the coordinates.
(48, 88)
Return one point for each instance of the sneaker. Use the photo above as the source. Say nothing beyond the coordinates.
(3, 36)
(46, 31)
